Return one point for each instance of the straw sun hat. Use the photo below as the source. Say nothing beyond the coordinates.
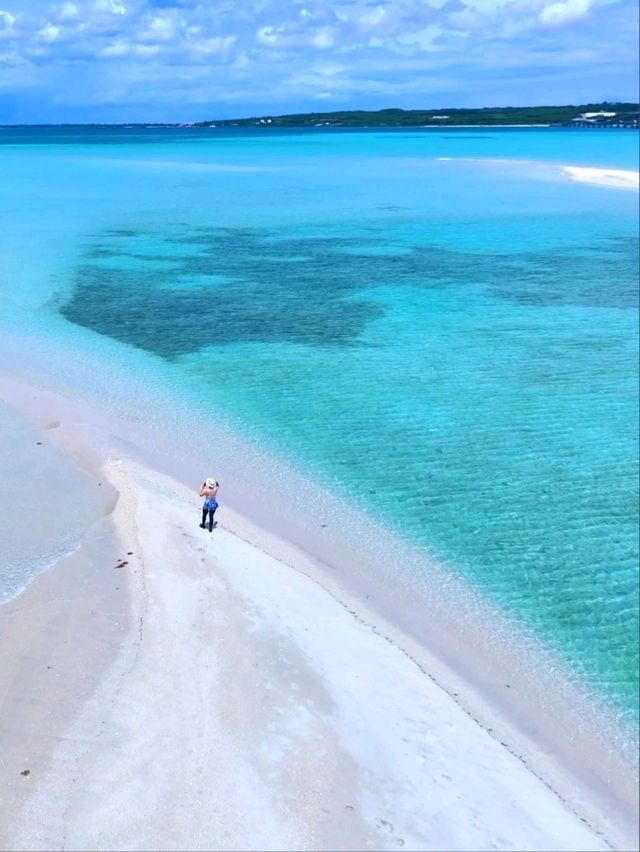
(210, 483)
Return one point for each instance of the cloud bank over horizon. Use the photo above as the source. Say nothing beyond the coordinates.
(181, 60)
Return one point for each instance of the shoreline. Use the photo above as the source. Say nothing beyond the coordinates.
(58, 640)
(435, 668)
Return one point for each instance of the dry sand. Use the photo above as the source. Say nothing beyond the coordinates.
(226, 700)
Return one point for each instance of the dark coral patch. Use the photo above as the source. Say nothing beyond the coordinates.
(247, 285)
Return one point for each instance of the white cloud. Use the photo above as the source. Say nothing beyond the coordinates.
(267, 35)
(323, 39)
(373, 16)
(49, 32)
(9, 58)
(490, 7)
(114, 7)
(122, 48)
(7, 20)
(241, 61)
(146, 51)
(68, 11)
(330, 69)
(466, 20)
(116, 49)
(214, 45)
(558, 14)
(161, 28)
(424, 38)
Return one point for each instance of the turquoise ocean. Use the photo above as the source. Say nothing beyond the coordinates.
(436, 325)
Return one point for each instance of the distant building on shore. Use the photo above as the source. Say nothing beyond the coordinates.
(604, 119)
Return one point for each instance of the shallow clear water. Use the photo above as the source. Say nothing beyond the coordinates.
(52, 503)
(449, 343)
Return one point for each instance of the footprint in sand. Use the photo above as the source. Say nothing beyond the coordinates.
(383, 825)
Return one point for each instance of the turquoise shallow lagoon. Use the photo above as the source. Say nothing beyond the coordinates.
(438, 326)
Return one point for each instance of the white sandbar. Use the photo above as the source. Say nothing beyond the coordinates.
(248, 708)
(616, 178)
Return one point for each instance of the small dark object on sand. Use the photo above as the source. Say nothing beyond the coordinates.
(121, 563)
(39, 443)
(129, 552)
(25, 772)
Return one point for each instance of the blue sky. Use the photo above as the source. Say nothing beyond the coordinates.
(181, 60)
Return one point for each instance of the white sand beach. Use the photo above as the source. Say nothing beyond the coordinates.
(207, 695)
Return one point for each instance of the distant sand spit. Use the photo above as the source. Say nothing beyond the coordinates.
(600, 176)
(617, 178)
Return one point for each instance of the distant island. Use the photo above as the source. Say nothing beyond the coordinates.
(587, 115)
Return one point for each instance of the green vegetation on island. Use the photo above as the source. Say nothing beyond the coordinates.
(601, 114)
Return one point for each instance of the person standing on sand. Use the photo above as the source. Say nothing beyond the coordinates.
(209, 490)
